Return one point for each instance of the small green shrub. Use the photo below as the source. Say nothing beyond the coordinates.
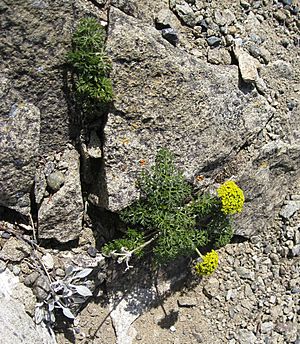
(173, 219)
(163, 210)
(206, 205)
(90, 63)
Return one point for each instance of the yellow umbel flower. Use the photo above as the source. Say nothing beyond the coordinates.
(208, 264)
(232, 197)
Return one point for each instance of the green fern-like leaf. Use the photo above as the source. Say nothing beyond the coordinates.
(176, 221)
(131, 241)
(163, 210)
(163, 185)
(90, 63)
(220, 230)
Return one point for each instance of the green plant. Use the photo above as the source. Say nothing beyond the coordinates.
(132, 241)
(206, 205)
(163, 210)
(220, 230)
(90, 63)
(171, 218)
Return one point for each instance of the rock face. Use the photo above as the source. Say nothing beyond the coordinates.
(60, 215)
(34, 111)
(167, 98)
(42, 34)
(37, 121)
(19, 141)
(16, 325)
(176, 86)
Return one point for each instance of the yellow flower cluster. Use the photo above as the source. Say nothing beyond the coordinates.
(232, 197)
(208, 265)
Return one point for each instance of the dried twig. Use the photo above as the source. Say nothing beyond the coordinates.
(33, 228)
(126, 255)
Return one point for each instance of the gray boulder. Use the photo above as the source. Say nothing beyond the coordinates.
(19, 141)
(167, 98)
(17, 327)
(36, 117)
(33, 48)
(266, 179)
(60, 215)
(35, 37)
(33, 108)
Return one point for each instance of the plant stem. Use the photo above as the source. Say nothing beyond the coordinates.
(198, 252)
(145, 244)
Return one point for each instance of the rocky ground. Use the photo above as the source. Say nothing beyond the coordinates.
(216, 82)
(253, 297)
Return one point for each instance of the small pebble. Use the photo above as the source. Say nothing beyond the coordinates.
(55, 180)
(60, 272)
(170, 35)
(245, 4)
(213, 41)
(285, 42)
(255, 239)
(48, 261)
(291, 105)
(198, 337)
(2, 266)
(287, 2)
(92, 251)
(280, 16)
(295, 291)
(16, 270)
(77, 330)
(5, 235)
(294, 10)
(30, 279)
(101, 277)
(187, 302)
(138, 337)
(296, 251)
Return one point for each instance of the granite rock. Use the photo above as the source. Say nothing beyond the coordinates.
(247, 65)
(16, 325)
(19, 141)
(15, 250)
(60, 216)
(185, 101)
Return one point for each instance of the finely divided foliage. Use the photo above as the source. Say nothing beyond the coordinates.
(90, 63)
(177, 220)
